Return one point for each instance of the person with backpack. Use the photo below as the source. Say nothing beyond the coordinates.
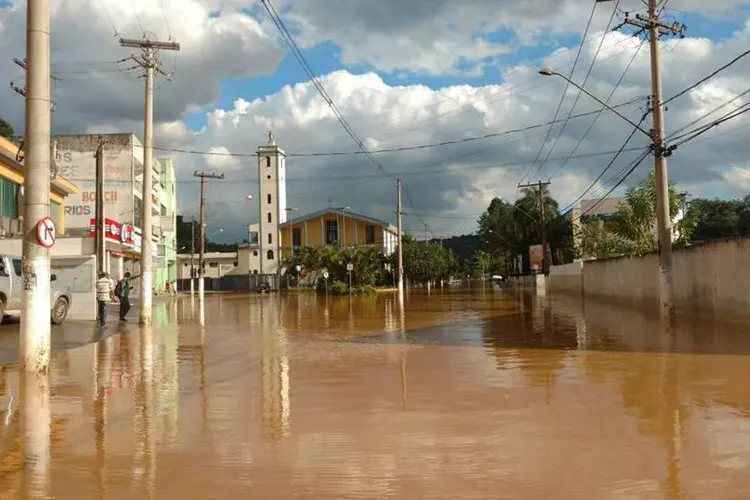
(122, 292)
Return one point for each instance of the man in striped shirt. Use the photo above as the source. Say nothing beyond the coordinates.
(104, 288)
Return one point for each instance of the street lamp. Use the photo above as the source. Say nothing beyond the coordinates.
(660, 152)
(343, 220)
(291, 226)
(550, 72)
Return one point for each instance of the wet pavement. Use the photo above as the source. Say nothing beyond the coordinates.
(487, 394)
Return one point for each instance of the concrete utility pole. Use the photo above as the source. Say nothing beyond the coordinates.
(201, 264)
(543, 222)
(148, 61)
(192, 256)
(400, 244)
(35, 305)
(99, 217)
(656, 28)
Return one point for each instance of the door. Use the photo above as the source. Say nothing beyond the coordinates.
(16, 288)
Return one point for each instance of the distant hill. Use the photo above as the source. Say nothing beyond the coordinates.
(463, 246)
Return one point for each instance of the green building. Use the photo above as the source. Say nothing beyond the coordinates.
(165, 264)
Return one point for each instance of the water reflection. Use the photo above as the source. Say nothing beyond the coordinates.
(452, 396)
(36, 429)
(274, 369)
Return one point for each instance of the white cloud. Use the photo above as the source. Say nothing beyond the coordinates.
(219, 41)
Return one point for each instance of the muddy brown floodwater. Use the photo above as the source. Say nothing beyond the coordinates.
(463, 395)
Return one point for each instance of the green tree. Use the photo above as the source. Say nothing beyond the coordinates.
(6, 130)
(715, 219)
(507, 229)
(636, 218)
(426, 262)
(599, 242)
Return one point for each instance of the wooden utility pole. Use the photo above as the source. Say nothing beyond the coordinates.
(201, 264)
(656, 28)
(149, 63)
(542, 222)
(99, 217)
(400, 244)
(192, 256)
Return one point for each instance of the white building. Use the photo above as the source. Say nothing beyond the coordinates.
(123, 186)
(272, 201)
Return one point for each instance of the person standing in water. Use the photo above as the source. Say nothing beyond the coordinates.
(122, 292)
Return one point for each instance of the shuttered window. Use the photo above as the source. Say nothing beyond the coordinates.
(9, 199)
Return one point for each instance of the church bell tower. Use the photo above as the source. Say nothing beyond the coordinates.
(272, 204)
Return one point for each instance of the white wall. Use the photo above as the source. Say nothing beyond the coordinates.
(64, 247)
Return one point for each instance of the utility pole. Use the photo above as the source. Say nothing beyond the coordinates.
(425, 232)
(400, 245)
(35, 305)
(147, 61)
(201, 264)
(100, 229)
(543, 222)
(656, 28)
(192, 256)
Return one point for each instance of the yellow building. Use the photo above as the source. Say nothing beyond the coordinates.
(336, 227)
(11, 182)
(318, 229)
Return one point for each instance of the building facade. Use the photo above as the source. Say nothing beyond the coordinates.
(123, 185)
(12, 173)
(272, 202)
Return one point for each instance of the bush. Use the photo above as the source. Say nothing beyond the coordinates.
(335, 287)
(364, 290)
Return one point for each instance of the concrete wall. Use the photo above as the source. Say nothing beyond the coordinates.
(567, 277)
(77, 276)
(708, 277)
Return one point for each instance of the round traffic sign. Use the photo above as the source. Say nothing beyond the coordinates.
(45, 232)
(325, 275)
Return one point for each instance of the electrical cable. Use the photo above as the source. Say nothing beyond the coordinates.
(600, 112)
(562, 97)
(398, 149)
(580, 92)
(316, 83)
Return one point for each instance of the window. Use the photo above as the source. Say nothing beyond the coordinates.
(332, 232)
(17, 266)
(213, 264)
(9, 199)
(255, 253)
(269, 198)
(370, 235)
(297, 237)
(54, 213)
(268, 162)
(269, 217)
(270, 238)
(269, 255)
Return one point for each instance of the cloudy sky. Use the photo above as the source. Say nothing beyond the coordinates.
(403, 74)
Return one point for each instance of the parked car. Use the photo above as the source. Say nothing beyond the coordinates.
(264, 288)
(11, 292)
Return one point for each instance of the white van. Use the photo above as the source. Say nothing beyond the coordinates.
(11, 292)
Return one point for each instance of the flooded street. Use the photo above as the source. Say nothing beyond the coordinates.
(483, 394)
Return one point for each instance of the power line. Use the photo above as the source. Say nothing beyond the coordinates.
(611, 162)
(316, 83)
(702, 130)
(109, 17)
(705, 79)
(603, 108)
(166, 20)
(562, 97)
(718, 108)
(578, 95)
(399, 149)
